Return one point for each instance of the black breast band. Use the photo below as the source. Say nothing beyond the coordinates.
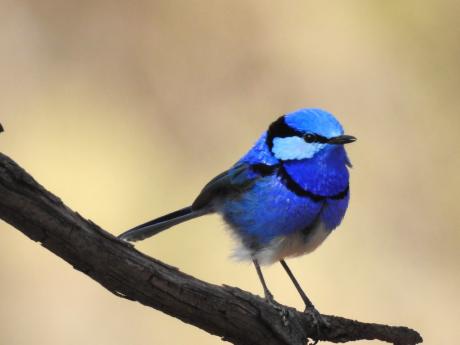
(267, 170)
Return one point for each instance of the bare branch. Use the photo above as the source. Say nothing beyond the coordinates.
(228, 312)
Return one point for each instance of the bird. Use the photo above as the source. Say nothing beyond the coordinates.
(281, 199)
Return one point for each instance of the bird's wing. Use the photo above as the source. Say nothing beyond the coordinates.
(233, 181)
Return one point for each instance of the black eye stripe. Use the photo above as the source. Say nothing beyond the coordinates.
(280, 129)
(315, 138)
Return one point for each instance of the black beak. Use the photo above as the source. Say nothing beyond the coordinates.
(342, 139)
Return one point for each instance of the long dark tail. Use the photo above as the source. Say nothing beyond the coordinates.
(157, 225)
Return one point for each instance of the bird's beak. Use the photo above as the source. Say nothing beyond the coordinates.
(342, 139)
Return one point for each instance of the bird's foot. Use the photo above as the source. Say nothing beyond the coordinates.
(318, 321)
(282, 310)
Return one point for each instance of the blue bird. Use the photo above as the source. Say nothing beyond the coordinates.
(282, 199)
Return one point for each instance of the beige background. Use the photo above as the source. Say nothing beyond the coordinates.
(125, 110)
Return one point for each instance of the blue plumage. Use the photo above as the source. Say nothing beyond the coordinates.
(271, 211)
(282, 198)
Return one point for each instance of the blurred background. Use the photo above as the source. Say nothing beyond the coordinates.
(125, 110)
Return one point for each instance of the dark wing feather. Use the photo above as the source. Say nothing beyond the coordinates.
(235, 180)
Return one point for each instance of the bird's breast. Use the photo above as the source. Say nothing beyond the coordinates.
(269, 209)
(273, 222)
(317, 177)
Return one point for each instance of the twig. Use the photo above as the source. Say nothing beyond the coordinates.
(235, 315)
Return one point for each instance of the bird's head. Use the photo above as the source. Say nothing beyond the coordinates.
(304, 133)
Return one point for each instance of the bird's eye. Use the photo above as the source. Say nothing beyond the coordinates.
(309, 138)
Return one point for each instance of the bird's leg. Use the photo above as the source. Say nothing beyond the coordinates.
(268, 295)
(308, 304)
(309, 307)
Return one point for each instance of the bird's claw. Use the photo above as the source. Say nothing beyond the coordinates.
(282, 311)
(318, 321)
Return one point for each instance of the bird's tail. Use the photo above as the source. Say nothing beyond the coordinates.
(157, 225)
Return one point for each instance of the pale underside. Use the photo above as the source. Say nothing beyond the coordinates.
(281, 247)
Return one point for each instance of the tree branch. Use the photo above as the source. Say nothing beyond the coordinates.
(228, 312)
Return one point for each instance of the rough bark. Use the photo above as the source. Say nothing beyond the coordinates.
(228, 312)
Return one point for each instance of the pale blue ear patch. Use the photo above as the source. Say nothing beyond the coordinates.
(290, 148)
